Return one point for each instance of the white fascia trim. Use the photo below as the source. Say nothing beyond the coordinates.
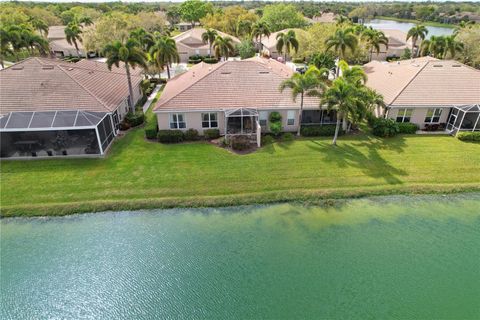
(46, 129)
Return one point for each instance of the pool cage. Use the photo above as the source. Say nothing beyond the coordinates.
(55, 133)
(242, 122)
(464, 118)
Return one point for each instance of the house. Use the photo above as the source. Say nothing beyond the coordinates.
(50, 107)
(427, 91)
(235, 97)
(59, 45)
(190, 43)
(397, 43)
(269, 44)
(324, 17)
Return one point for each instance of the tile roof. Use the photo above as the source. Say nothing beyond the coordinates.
(252, 83)
(38, 84)
(271, 42)
(193, 38)
(397, 38)
(56, 32)
(424, 82)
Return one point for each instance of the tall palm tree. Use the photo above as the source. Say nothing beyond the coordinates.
(354, 75)
(309, 84)
(209, 37)
(144, 38)
(417, 32)
(223, 47)
(285, 42)
(16, 37)
(434, 46)
(40, 25)
(244, 28)
(5, 45)
(131, 55)
(73, 35)
(164, 52)
(34, 41)
(342, 40)
(259, 30)
(86, 21)
(452, 46)
(341, 19)
(374, 39)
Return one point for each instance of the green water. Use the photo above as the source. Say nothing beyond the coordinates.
(383, 258)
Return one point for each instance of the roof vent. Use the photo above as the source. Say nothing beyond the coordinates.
(47, 67)
(456, 65)
(17, 68)
(225, 72)
(264, 72)
(70, 69)
(437, 65)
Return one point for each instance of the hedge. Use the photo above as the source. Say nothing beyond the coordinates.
(191, 135)
(151, 125)
(385, 127)
(468, 136)
(170, 136)
(211, 133)
(134, 119)
(319, 130)
(407, 128)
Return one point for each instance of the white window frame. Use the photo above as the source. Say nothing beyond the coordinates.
(404, 115)
(290, 117)
(176, 122)
(209, 119)
(434, 111)
(263, 116)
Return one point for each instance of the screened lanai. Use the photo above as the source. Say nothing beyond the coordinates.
(55, 133)
(242, 121)
(464, 118)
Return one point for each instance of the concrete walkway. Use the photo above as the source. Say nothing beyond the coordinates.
(151, 97)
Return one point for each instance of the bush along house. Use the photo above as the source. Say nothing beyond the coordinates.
(52, 108)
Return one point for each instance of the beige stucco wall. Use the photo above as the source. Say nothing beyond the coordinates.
(122, 108)
(419, 114)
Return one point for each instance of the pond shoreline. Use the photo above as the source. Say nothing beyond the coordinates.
(425, 23)
(325, 197)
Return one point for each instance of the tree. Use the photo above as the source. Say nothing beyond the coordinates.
(5, 45)
(246, 49)
(244, 28)
(34, 41)
(194, 10)
(73, 35)
(85, 20)
(173, 16)
(285, 42)
(434, 46)
(342, 40)
(308, 84)
(470, 38)
(209, 37)
(144, 38)
(417, 32)
(341, 19)
(164, 52)
(282, 16)
(40, 25)
(130, 55)
(452, 46)
(223, 47)
(259, 30)
(323, 60)
(234, 20)
(374, 39)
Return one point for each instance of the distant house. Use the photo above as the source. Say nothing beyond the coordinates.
(59, 45)
(235, 97)
(190, 43)
(325, 17)
(428, 91)
(52, 108)
(269, 44)
(397, 43)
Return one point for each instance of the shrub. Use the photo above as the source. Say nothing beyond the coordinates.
(319, 130)
(370, 119)
(124, 126)
(151, 126)
(407, 128)
(288, 137)
(469, 136)
(134, 119)
(170, 136)
(298, 60)
(191, 135)
(211, 60)
(246, 49)
(275, 123)
(145, 85)
(267, 139)
(240, 143)
(211, 133)
(384, 127)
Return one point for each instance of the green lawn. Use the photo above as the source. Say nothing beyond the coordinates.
(142, 174)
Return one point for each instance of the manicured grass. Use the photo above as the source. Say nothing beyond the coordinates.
(142, 174)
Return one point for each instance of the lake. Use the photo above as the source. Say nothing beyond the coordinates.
(378, 258)
(405, 26)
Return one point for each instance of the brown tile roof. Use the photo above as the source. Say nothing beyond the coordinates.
(271, 42)
(424, 82)
(250, 83)
(63, 45)
(56, 32)
(38, 84)
(193, 38)
(397, 38)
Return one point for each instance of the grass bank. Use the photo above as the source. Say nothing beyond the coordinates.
(142, 174)
(425, 23)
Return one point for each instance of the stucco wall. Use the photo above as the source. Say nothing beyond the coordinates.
(419, 114)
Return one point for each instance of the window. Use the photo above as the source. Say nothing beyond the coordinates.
(433, 115)
(404, 115)
(177, 121)
(262, 118)
(290, 117)
(209, 120)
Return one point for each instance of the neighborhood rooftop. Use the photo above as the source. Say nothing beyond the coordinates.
(424, 82)
(50, 85)
(251, 83)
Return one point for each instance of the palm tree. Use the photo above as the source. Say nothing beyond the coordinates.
(209, 37)
(5, 45)
(73, 35)
(417, 32)
(341, 19)
(452, 46)
(34, 41)
(244, 28)
(342, 40)
(164, 52)
(285, 42)
(308, 84)
(131, 55)
(463, 25)
(354, 75)
(374, 39)
(16, 35)
(223, 47)
(434, 46)
(259, 30)
(86, 21)
(144, 38)
(40, 25)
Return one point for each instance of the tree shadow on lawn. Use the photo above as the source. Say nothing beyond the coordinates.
(372, 164)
